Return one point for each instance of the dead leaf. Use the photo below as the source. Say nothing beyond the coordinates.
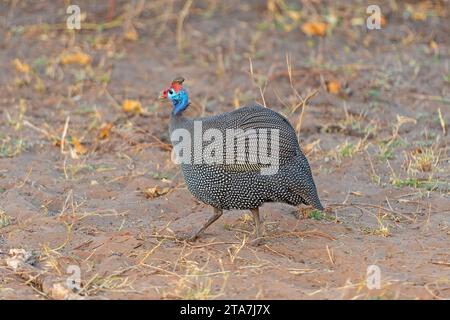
(105, 130)
(272, 6)
(422, 16)
(419, 11)
(79, 148)
(333, 87)
(131, 34)
(310, 146)
(434, 46)
(75, 58)
(151, 193)
(134, 106)
(315, 28)
(294, 15)
(21, 66)
(383, 21)
(39, 85)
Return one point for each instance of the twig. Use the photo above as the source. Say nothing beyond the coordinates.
(32, 126)
(359, 205)
(330, 254)
(441, 263)
(182, 16)
(26, 178)
(303, 104)
(64, 133)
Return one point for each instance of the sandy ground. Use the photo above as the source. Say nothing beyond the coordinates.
(86, 186)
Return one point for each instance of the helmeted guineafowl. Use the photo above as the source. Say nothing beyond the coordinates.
(226, 183)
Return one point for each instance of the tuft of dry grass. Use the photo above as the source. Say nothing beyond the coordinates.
(382, 229)
(422, 159)
(5, 220)
(11, 147)
(348, 149)
(197, 283)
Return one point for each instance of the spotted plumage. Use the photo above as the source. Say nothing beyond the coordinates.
(242, 186)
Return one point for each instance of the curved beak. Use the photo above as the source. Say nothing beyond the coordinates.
(162, 96)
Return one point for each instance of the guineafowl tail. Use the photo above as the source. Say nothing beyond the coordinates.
(300, 182)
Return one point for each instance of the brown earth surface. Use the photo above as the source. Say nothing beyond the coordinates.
(83, 183)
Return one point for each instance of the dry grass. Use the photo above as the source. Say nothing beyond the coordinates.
(71, 115)
(5, 220)
(382, 228)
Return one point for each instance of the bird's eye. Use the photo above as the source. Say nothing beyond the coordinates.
(170, 91)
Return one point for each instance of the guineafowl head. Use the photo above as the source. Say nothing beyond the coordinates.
(177, 95)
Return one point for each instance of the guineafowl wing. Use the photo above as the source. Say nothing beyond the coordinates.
(264, 123)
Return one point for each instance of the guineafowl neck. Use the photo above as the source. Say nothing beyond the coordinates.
(179, 121)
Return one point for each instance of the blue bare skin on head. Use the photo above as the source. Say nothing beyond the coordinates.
(180, 100)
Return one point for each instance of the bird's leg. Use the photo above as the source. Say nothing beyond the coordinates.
(216, 215)
(259, 226)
